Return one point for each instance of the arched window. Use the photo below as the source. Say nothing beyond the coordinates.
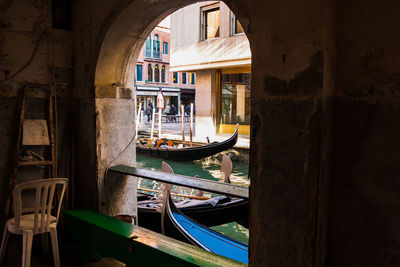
(148, 47)
(156, 46)
(149, 73)
(156, 74)
(163, 73)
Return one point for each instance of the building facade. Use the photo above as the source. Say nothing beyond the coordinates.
(153, 73)
(207, 39)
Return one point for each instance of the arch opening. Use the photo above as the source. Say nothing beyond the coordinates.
(119, 70)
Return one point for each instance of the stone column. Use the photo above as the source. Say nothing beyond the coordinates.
(205, 104)
(115, 145)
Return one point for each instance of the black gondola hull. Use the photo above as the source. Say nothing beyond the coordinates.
(188, 153)
(234, 210)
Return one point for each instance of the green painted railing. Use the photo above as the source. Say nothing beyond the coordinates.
(102, 235)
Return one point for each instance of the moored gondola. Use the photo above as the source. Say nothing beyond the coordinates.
(179, 226)
(211, 212)
(188, 153)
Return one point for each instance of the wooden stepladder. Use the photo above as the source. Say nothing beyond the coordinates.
(35, 141)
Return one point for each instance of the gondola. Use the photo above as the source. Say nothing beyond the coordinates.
(211, 212)
(188, 153)
(179, 226)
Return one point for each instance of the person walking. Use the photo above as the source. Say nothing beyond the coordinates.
(151, 106)
(172, 112)
(149, 111)
(187, 110)
(167, 111)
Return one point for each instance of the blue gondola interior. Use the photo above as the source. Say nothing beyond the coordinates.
(212, 240)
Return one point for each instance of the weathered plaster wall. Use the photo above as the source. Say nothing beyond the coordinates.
(364, 192)
(29, 50)
(285, 131)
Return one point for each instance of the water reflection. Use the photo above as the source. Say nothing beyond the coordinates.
(207, 168)
(233, 230)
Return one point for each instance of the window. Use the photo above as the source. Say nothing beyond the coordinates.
(156, 74)
(163, 74)
(148, 47)
(165, 48)
(192, 78)
(149, 73)
(236, 27)
(210, 22)
(62, 14)
(240, 78)
(175, 77)
(235, 98)
(156, 46)
(184, 80)
(139, 73)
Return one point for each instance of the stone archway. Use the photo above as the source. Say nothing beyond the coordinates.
(114, 83)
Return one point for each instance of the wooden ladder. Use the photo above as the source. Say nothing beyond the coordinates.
(49, 159)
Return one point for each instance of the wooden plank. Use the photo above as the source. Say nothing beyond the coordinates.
(174, 194)
(192, 182)
(35, 163)
(35, 132)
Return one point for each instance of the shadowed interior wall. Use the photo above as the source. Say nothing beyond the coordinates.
(365, 177)
(287, 66)
(29, 49)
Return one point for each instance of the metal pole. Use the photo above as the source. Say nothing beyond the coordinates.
(152, 124)
(191, 123)
(138, 119)
(183, 122)
(159, 123)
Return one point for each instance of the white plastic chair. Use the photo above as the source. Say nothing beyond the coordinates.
(41, 221)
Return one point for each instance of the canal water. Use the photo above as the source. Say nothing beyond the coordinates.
(208, 168)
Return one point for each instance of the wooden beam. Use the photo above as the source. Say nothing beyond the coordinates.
(182, 180)
(175, 194)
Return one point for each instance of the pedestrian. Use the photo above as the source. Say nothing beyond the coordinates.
(172, 112)
(167, 111)
(151, 106)
(187, 110)
(149, 112)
